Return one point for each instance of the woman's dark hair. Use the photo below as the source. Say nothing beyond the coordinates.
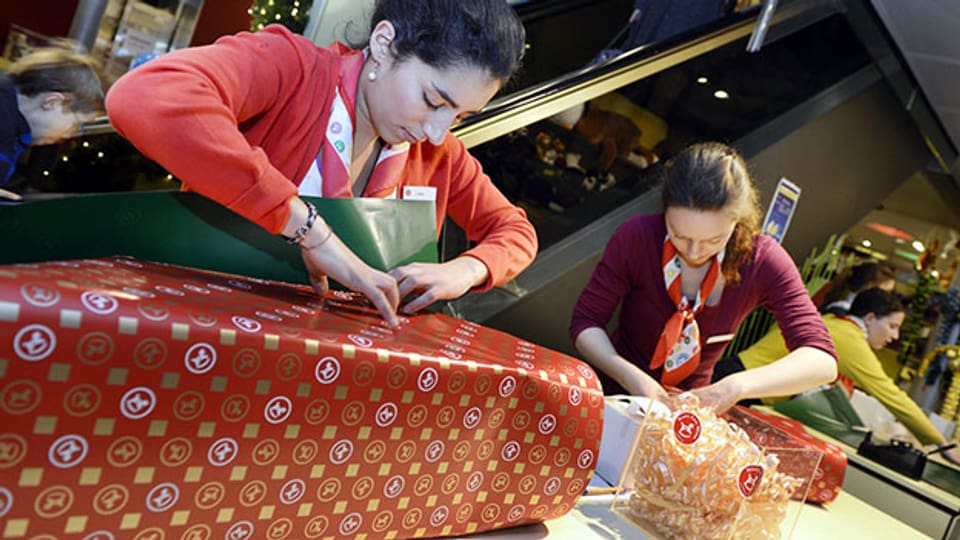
(857, 278)
(877, 301)
(444, 33)
(713, 176)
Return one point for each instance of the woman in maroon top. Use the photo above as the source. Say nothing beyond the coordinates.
(685, 280)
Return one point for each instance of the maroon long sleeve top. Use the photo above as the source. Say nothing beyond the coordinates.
(629, 275)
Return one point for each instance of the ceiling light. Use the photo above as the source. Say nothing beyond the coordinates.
(703, 80)
(721, 94)
(866, 243)
(918, 245)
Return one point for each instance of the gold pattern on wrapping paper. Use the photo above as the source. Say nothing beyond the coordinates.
(238, 473)
(224, 515)
(263, 387)
(179, 332)
(311, 346)
(170, 381)
(271, 342)
(228, 337)
(193, 475)
(127, 326)
(45, 425)
(218, 383)
(117, 376)
(70, 318)
(9, 312)
(90, 476)
(144, 475)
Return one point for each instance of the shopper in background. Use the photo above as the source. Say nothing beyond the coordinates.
(255, 120)
(872, 323)
(838, 295)
(45, 97)
(685, 279)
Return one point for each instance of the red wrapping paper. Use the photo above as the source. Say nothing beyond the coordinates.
(145, 401)
(827, 481)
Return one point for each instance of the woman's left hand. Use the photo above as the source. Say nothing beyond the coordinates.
(719, 396)
(433, 282)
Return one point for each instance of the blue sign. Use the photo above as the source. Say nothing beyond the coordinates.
(781, 209)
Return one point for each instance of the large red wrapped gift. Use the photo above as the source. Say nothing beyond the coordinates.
(789, 433)
(145, 401)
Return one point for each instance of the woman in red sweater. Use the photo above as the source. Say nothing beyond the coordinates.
(686, 279)
(255, 120)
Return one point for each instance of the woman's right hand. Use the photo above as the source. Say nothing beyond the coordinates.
(333, 258)
(639, 383)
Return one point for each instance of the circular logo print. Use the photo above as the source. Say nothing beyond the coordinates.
(38, 295)
(288, 367)
(551, 486)
(427, 380)
(305, 452)
(439, 516)
(95, 535)
(417, 416)
(472, 418)
(397, 376)
(490, 513)
(382, 521)
(485, 450)
(537, 454)
(153, 312)
(482, 384)
(95, 348)
(362, 488)
(475, 481)
(189, 405)
(406, 451)
(516, 513)
(585, 459)
(461, 450)
(266, 451)
(292, 491)
(110, 499)
(150, 353)
(446, 416)
(394, 486)
(197, 532)
(277, 410)
(575, 395)
(222, 452)
(53, 502)
(527, 484)
(500, 482)
(124, 451)
(316, 527)
(456, 382)
(748, 481)
(200, 358)
(138, 402)
(210, 495)
(434, 451)
(280, 529)
(547, 424)
(353, 413)
(328, 490)
(327, 370)
(341, 451)
(99, 303)
(34, 342)
(68, 451)
(20, 397)
(235, 407)
(241, 530)
(374, 452)
(246, 363)
(686, 427)
(386, 414)
(521, 420)
(450, 483)
(13, 448)
(6, 501)
(162, 497)
(507, 386)
(351, 523)
(316, 412)
(360, 341)
(364, 373)
(246, 324)
(176, 452)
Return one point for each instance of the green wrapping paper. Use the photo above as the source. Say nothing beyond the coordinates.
(187, 229)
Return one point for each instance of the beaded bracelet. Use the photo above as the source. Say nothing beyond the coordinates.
(301, 233)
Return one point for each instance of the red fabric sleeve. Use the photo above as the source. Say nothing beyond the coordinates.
(184, 110)
(608, 285)
(785, 295)
(507, 239)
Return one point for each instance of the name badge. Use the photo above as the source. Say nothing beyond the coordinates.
(720, 338)
(419, 193)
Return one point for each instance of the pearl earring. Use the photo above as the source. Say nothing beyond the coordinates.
(372, 75)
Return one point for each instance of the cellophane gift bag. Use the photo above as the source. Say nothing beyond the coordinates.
(693, 475)
(146, 401)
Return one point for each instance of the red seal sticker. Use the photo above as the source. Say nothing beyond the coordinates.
(749, 479)
(687, 427)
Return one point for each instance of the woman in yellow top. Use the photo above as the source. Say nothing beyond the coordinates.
(873, 321)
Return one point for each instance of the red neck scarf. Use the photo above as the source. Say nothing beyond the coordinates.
(678, 349)
(329, 176)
